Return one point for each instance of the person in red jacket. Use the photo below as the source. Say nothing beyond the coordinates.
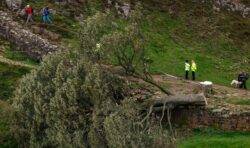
(29, 13)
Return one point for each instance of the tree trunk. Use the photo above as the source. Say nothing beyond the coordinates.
(177, 100)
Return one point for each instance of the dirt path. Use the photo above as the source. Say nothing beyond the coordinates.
(230, 91)
(220, 98)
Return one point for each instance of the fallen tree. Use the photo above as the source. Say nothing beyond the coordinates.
(159, 102)
(166, 103)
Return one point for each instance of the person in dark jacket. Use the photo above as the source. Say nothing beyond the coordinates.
(243, 77)
(187, 69)
(244, 82)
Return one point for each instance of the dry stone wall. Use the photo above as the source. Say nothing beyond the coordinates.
(217, 118)
(30, 43)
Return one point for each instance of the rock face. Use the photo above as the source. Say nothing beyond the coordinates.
(233, 5)
(122, 9)
(30, 43)
(14, 4)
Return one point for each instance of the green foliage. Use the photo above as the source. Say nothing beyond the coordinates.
(125, 128)
(91, 32)
(55, 103)
(127, 44)
(72, 101)
(65, 100)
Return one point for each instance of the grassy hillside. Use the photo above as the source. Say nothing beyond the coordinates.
(220, 50)
(219, 42)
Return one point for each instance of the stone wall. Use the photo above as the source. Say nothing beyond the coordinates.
(217, 118)
(31, 44)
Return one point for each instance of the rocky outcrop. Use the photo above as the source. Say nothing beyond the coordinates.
(233, 5)
(14, 4)
(31, 44)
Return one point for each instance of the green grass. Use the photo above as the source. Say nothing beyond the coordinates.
(9, 76)
(170, 43)
(9, 52)
(239, 101)
(216, 139)
(171, 40)
(19, 56)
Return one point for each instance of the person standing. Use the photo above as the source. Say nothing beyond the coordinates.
(240, 79)
(187, 69)
(246, 76)
(46, 15)
(193, 69)
(29, 13)
(243, 77)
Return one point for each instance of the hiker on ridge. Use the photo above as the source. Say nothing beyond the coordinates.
(187, 69)
(29, 12)
(193, 69)
(46, 15)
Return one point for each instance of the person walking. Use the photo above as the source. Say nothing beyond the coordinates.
(193, 69)
(29, 13)
(187, 69)
(46, 15)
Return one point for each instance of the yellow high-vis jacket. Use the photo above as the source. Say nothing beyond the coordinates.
(187, 67)
(193, 67)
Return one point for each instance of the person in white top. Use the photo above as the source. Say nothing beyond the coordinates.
(187, 69)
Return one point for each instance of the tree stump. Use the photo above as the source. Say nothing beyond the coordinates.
(207, 88)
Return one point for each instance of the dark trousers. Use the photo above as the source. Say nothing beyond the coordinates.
(193, 75)
(243, 85)
(186, 76)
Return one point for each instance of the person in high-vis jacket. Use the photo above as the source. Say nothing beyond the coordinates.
(187, 69)
(193, 69)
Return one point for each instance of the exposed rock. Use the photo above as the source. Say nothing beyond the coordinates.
(233, 5)
(45, 33)
(126, 10)
(123, 9)
(14, 4)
